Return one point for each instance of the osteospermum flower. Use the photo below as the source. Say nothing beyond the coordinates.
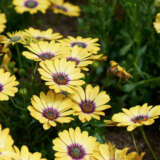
(66, 8)
(42, 50)
(8, 85)
(50, 109)
(61, 75)
(2, 22)
(89, 44)
(118, 71)
(136, 116)
(90, 103)
(110, 152)
(6, 143)
(24, 154)
(36, 34)
(74, 145)
(156, 24)
(31, 6)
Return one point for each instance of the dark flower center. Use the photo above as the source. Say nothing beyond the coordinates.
(61, 8)
(50, 113)
(76, 151)
(87, 106)
(60, 78)
(46, 55)
(79, 44)
(73, 59)
(15, 38)
(1, 87)
(31, 4)
(139, 119)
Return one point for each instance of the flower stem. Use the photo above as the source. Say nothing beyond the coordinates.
(134, 142)
(16, 106)
(34, 72)
(19, 56)
(147, 143)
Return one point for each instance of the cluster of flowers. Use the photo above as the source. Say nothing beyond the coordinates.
(57, 6)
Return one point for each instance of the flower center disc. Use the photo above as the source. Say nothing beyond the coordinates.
(50, 114)
(61, 8)
(31, 4)
(79, 44)
(76, 151)
(73, 60)
(1, 87)
(60, 78)
(15, 38)
(46, 55)
(139, 119)
(87, 106)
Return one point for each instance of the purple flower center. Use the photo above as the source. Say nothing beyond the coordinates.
(60, 78)
(61, 8)
(1, 87)
(46, 55)
(73, 59)
(79, 44)
(76, 151)
(31, 3)
(87, 106)
(140, 118)
(50, 113)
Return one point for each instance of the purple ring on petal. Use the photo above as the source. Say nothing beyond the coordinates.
(46, 55)
(79, 44)
(76, 151)
(60, 78)
(87, 106)
(50, 113)
(31, 4)
(139, 118)
(1, 87)
(73, 60)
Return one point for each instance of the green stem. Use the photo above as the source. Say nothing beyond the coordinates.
(16, 106)
(19, 56)
(147, 143)
(34, 72)
(134, 142)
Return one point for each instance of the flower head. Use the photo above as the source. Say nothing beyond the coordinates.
(42, 50)
(50, 109)
(156, 24)
(66, 8)
(31, 6)
(118, 71)
(137, 116)
(8, 85)
(74, 145)
(90, 103)
(110, 152)
(61, 75)
(45, 35)
(88, 44)
(2, 22)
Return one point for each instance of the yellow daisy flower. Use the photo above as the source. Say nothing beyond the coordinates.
(110, 152)
(36, 34)
(136, 116)
(2, 22)
(61, 75)
(156, 24)
(8, 85)
(90, 103)
(74, 145)
(89, 44)
(118, 71)
(81, 57)
(66, 8)
(6, 143)
(31, 6)
(43, 50)
(50, 109)
(24, 154)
